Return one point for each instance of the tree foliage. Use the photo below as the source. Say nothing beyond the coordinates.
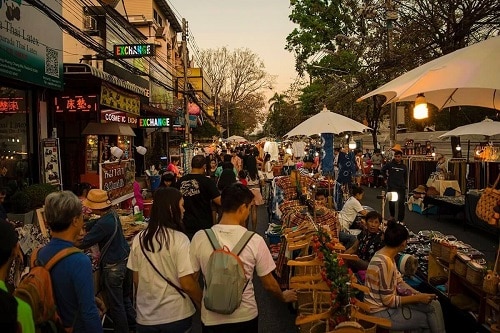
(238, 79)
(344, 46)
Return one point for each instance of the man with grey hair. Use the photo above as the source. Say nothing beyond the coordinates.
(72, 276)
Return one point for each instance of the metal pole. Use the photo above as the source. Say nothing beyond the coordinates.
(391, 16)
(185, 87)
(227, 119)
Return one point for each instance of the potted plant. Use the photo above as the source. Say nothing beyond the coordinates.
(25, 200)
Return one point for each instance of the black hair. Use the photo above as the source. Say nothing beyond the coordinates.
(168, 177)
(242, 174)
(395, 234)
(165, 213)
(251, 165)
(79, 188)
(8, 241)
(235, 195)
(373, 214)
(398, 152)
(227, 158)
(198, 162)
(322, 192)
(357, 190)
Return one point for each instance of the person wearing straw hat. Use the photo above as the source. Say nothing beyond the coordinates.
(116, 278)
(397, 174)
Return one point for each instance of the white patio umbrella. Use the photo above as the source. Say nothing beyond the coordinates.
(464, 77)
(326, 122)
(236, 138)
(486, 127)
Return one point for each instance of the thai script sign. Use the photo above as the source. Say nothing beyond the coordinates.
(117, 178)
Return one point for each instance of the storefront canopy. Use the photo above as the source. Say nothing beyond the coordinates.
(108, 129)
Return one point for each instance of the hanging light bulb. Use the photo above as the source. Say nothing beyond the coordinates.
(458, 147)
(420, 110)
(352, 144)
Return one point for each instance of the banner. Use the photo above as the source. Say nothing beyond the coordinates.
(51, 164)
(117, 178)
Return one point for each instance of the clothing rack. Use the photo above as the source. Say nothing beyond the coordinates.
(419, 175)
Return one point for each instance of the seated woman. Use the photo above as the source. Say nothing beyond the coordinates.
(368, 242)
(418, 311)
(352, 207)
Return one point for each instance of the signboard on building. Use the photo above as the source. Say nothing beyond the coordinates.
(31, 44)
(134, 50)
(76, 103)
(120, 100)
(113, 116)
(51, 162)
(148, 122)
(117, 178)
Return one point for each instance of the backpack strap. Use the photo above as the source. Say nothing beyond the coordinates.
(213, 239)
(60, 255)
(242, 242)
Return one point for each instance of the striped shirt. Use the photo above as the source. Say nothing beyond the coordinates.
(382, 277)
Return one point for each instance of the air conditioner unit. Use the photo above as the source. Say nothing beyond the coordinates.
(89, 23)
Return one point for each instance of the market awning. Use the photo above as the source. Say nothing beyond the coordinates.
(108, 129)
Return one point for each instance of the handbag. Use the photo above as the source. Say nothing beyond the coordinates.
(487, 202)
(179, 290)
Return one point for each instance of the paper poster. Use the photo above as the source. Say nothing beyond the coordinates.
(51, 164)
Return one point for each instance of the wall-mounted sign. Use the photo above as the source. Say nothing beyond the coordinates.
(117, 178)
(154, 122)
(31, 44)
(134, 50)
(113, 116)
(120, 100)
(51, 164)
(83, 103)
(12, 105)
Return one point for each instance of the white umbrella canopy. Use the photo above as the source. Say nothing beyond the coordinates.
(326, 122)
(236, 138)
(467, 76)
(486, 127)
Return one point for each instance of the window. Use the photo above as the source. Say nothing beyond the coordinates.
(157, 18)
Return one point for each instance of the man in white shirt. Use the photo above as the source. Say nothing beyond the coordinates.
(352, 207)
(236, 203)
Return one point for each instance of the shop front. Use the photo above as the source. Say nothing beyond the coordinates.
(30, 66)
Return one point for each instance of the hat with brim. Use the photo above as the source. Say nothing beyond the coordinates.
(397, 147)
(420, 189)
(97, 199)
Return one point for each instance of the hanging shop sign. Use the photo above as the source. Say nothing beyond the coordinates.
(113, 116)
(120, 100)
(76, 103)
(12, 105)
(117, 178)
(154, 122)
(134, 50)
(51, 163)
(31, 44)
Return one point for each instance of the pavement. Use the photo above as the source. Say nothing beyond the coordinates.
(275, 316)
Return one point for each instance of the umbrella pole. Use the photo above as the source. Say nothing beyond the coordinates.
(468, 150)
(330, 197)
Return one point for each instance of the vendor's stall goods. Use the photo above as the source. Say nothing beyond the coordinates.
(490, 199)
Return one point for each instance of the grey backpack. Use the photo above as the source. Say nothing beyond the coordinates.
(225, 278)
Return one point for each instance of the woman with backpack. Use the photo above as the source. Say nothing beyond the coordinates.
(162, 276)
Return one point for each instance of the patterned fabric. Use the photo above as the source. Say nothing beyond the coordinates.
(369, 243)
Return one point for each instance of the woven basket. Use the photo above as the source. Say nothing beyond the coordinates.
(347, 326)
(461, 264)
(490, 283)
(448, 252)
(475, 273)
(436, 248)
(488, 200)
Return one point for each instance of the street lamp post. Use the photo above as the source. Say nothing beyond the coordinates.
(391, 16)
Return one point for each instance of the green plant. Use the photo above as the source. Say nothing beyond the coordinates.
(30, 197)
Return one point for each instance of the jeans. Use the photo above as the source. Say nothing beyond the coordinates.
(418, 317)
(179, 326)
(117, 281)
(401, 204)
(251, 326)
(347, 239)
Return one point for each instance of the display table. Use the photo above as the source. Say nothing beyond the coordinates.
(447, 205)
(471, 200)
(442, 185)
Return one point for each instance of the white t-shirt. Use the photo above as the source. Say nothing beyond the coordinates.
(349, 212)
(268, 169)
(157, 301)
(255, 256)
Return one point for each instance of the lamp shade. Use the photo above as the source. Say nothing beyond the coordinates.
(392, 196)
(352, 144)
(116, 152)
(141, 150)
(420, 110)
